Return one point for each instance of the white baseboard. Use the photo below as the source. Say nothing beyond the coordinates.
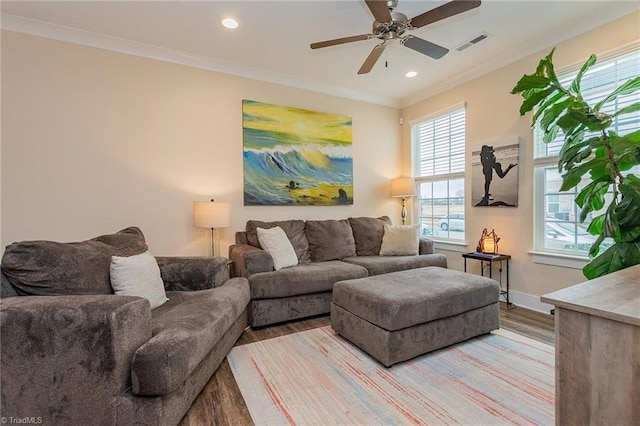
(529, 301)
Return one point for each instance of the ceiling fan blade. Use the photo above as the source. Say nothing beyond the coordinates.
(380, 10)
(442, 12)
(425, 47)
(371, 59)
(342, 40)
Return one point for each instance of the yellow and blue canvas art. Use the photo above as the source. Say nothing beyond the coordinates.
(296, 157)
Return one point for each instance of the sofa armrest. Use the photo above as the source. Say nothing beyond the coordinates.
(193, 273)
(426, 246)
(249, 260)
(61, 355)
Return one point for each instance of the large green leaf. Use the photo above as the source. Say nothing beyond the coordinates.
(593, 121)
(551, 73)
(551, 133)
(632, 138)
(553, 112)
(573, 176)
(615, 258)
(534, 99)
(606, 262)
(595, 227)
(575, 141)
(575, 155)
(591, 197)
(628, 209)
(528, 82)
(625, 88)
(552, 100)
(629, 108)
(626, 150)
(610, 223)
(567, 123)
(575, 86)
(595, 247)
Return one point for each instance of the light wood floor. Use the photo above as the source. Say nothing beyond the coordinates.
(220, 402)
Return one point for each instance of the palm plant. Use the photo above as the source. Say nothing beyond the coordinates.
(592, 150)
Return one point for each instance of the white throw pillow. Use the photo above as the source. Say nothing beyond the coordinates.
(400, 240)
(138, 275)
(275, 242)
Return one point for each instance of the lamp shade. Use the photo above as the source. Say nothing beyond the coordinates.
(210, 214)
(403, 187)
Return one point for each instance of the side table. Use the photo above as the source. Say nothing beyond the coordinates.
(490, 258)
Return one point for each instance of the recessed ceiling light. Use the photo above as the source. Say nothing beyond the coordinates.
(230, 23)
(411, 74)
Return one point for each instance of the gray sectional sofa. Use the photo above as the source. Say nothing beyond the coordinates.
(328, 251)
(73, 353)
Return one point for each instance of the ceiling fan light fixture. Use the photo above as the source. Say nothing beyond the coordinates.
(230, 23)
(410, 74)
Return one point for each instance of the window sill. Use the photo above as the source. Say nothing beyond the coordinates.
(459, 246)
(556, 259)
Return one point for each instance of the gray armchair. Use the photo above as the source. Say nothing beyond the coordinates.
(110, 359)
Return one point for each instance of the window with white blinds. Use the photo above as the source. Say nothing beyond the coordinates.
(438, 167)
(557, 227)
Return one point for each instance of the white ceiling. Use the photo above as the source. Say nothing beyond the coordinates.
(272, 41)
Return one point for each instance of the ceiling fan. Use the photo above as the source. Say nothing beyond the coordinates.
(391, 25)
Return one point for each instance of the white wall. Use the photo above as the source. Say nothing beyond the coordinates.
(493, 116)
(94, 141)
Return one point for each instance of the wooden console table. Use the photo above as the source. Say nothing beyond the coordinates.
(597, 328)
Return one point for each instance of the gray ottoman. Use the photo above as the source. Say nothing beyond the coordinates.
(397, 316)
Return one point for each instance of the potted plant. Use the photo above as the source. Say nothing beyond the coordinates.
(592, 150)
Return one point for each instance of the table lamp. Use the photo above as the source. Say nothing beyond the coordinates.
(405, 188)
(213, 215)
(488, 242)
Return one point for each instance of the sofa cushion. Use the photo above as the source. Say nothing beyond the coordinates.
(138, 275)
(185, 330)
(308, 278)
(275, 242)
(330, 239)
(48, 268)
(377, 265)
(295, 230)
(401, 240)
(368, 232)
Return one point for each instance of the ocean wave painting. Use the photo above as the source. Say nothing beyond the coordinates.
(296, 157)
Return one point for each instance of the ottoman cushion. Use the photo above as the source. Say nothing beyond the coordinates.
(402, 299)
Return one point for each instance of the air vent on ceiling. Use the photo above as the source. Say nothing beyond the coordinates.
(477, 39)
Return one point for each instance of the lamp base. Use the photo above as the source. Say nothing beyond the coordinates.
(404, 210)
(214, 242)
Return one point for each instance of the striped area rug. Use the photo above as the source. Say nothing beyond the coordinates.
(316, 377)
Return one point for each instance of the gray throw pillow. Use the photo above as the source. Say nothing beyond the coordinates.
(295, 230)
(330, 240)
(368, 232)
(48, 268)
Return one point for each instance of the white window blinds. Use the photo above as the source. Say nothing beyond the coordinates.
(439, 145)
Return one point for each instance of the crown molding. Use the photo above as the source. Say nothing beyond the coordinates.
(87, 38)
